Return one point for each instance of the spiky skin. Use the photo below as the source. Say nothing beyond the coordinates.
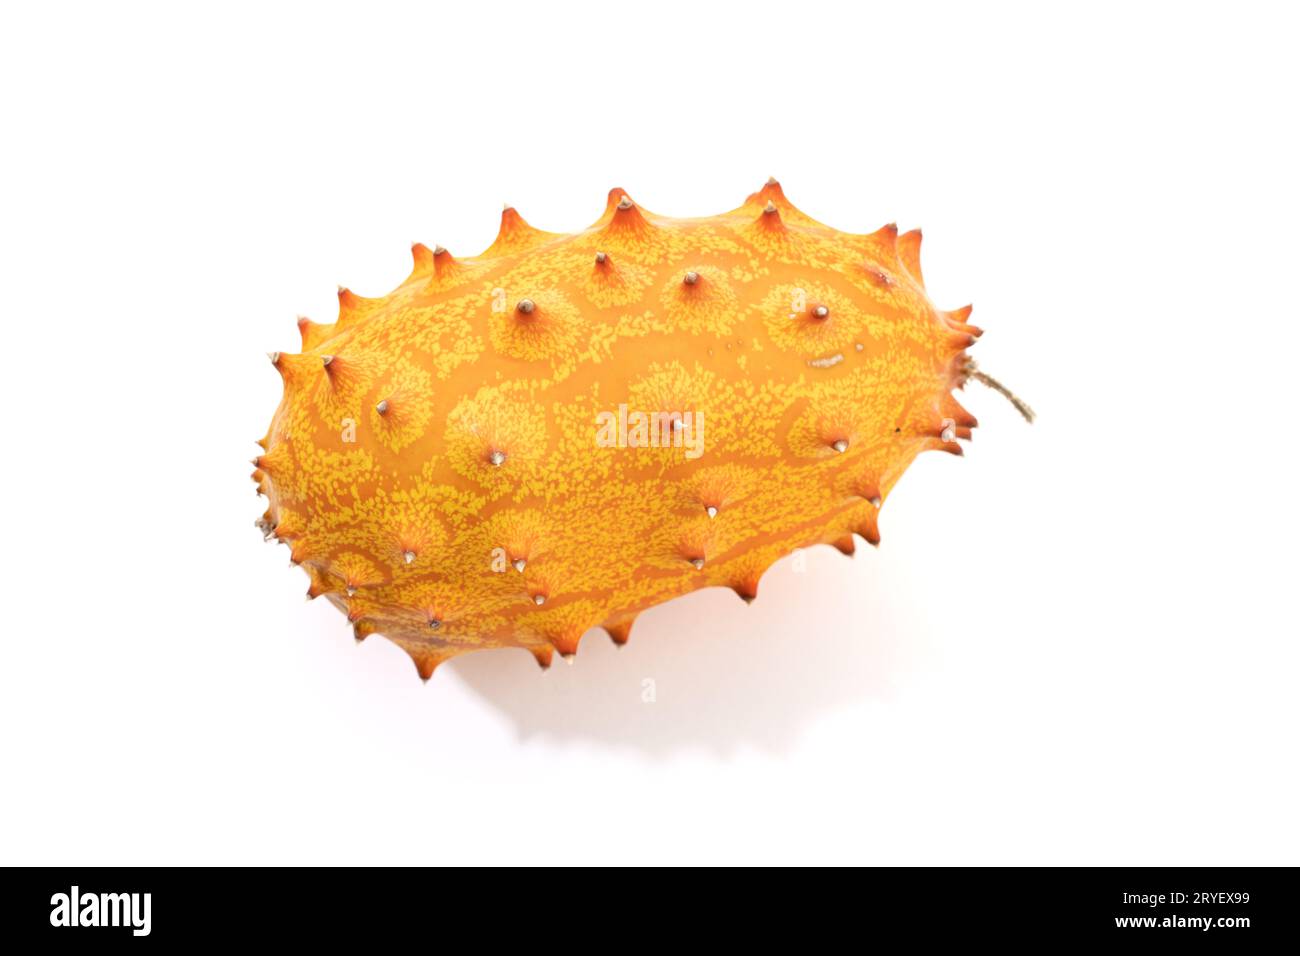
(473, 508)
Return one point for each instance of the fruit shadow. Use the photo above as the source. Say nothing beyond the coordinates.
(708, 672)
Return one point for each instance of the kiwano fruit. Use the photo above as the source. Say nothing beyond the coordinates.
(511, 449)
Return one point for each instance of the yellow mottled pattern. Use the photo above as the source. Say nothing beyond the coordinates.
(441, 463)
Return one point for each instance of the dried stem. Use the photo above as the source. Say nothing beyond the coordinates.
(985, 379)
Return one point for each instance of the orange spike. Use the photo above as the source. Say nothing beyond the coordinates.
(769, 229)
(349, 303)
(867, 529)
(951, 408)
(445, 266)
(747, 589)
(279, 364)
(909, 255)
(296, 368)
(274, 462)
(567, 643)
(289, 526)
(615, 196)
(868, 489)
(421, 260)
(956, 321)
(620, 631)
(880, 252)
(511, 221)
(515, 235)
(935, 443)
(543, 655)
(886, 237)
(959, 341)
(773, 193)
(312, 333)
(768, 192)
(426, 661)
(627, 221)
(845, 545)
(320, 582)
(354, 308)
(342, 372)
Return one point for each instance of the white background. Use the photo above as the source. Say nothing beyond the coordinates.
(1075, 645)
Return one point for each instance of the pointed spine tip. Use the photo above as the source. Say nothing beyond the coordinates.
(770, 220)
(425, 665)
(619, 633)
(421, 256)
(306, 329)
